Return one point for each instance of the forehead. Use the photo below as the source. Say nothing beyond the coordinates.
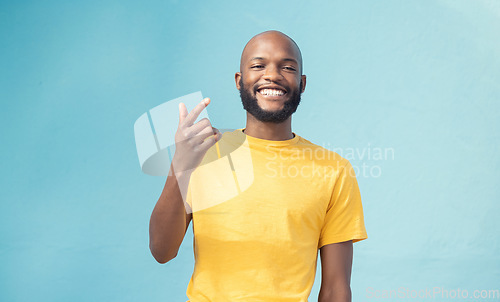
(270, 46)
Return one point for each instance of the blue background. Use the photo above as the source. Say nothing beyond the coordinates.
(420, 78)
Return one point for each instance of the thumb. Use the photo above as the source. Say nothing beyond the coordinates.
(217, 133)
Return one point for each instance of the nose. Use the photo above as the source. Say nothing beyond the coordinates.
(272, 73)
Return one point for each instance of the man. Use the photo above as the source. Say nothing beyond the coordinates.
(258, 228)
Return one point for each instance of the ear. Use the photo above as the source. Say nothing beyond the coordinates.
(237, 77)
(303, 80)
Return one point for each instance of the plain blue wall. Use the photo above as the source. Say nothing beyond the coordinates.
(420, 78)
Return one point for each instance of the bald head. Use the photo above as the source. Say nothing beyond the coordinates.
(271, 39)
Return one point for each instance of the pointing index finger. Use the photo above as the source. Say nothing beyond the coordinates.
(193, 115)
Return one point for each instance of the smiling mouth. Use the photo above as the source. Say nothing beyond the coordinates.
(271, 92)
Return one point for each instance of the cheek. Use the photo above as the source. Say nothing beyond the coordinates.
(252, 77)
(293, 80)
(249, 85)
(299, 85)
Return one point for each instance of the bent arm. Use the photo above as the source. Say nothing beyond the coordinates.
(169, 220)
(336, 265)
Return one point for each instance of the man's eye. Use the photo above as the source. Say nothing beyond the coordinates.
(289, 68)
(258, 66)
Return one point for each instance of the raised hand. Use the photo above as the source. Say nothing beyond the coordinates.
(193, 140)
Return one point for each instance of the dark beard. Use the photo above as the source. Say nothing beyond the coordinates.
(251, 106)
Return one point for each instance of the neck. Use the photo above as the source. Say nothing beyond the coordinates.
(269, 131)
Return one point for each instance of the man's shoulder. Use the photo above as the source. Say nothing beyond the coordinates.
(321, 153)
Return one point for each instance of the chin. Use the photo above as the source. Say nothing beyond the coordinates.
(271, 109)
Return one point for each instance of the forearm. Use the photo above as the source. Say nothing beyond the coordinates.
(339, 294)
(168, 221)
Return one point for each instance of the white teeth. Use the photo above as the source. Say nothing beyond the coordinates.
(272, 92)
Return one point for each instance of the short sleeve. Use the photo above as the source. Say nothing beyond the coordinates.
(188, 204)
(344, 218)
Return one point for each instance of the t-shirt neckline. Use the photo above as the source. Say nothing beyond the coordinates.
(266, 142)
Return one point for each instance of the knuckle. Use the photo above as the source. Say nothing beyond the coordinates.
(211, 140)
(188, 142)
(206, 122)
(184, 134)
(208, 129)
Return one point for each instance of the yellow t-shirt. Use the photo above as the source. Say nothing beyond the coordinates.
(261, 209)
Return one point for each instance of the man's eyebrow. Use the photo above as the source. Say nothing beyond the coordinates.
(284, 60)
(290, 60)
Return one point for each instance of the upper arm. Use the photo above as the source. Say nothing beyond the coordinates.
(336, 264)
